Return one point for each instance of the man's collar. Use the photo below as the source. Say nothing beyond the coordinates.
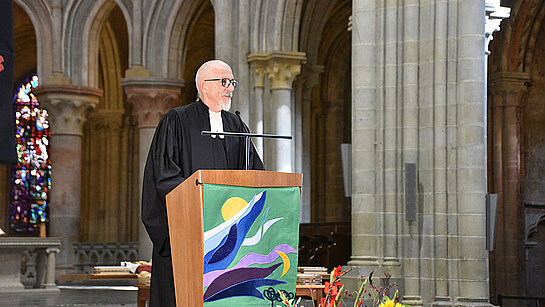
(201, 105)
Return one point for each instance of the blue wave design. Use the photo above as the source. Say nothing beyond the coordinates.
(246, 288)
(223, 254)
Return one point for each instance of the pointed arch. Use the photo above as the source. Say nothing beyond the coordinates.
(25, 46)
(166, 35)
(38, 12)
(82, 27)
(279, 24)
(181, 35)
(109, 204)
(514, 48)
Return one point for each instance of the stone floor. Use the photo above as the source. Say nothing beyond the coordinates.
(104, 296)
(79, 296)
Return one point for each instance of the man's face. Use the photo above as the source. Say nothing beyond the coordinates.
(215, 95)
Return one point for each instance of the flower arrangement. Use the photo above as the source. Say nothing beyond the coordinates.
(368, 295)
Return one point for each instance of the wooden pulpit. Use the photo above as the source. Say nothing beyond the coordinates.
(185, 209)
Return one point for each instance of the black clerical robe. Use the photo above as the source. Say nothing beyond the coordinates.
(178, 150)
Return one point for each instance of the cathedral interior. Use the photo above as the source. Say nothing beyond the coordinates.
(100, 200)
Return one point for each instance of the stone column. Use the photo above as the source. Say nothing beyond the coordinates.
(224, 29)
(105, 178)
(151, 99)
(311, 75)
(364, 212)
(508, 92)
(282, 68)
(50, 273)
(412, 293)
(471, 257)
(257, 67)
(67, 106)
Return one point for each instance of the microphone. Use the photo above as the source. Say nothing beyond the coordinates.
(247, 130)
(246, 142)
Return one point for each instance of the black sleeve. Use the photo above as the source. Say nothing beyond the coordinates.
(256, 162)
(162, 173)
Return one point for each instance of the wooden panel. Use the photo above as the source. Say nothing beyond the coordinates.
(185, 219)
(251, 178)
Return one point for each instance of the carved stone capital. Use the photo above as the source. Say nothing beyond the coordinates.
(282, 72)
(52, 250)
(258, 68)
(508, 88)
(67, 106)
(151, 98)
(280, 67)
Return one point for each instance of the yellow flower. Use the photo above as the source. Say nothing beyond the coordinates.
(390, 303)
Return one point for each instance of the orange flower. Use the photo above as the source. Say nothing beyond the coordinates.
(337, 271)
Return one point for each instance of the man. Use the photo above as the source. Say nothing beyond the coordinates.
(178, 149)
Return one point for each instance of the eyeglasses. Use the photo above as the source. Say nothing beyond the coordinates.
(225, 82)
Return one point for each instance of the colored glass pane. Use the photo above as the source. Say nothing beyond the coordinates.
(31, 177)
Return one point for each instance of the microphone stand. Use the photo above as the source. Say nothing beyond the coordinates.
(247, 142)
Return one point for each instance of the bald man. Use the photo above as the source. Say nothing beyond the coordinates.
(178, 150)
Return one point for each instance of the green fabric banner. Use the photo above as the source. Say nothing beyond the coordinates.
(251, 237)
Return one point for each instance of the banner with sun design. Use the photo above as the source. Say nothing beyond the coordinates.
(251, 236)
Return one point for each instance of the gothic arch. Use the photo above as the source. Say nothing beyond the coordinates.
(156, 30)
(278, 24)
(186, 20)
(109, 203)
(312, 26)
(515, 140)
(513, 50)
(38, 12)
(199, 46)
(25, 51)
(83, 26)
(112, 63)
(164, 33)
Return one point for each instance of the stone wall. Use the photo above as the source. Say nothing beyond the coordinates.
(418, 97)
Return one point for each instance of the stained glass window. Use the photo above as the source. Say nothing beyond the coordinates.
(31, 179)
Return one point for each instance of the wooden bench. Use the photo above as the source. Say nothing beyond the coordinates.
(73, 277)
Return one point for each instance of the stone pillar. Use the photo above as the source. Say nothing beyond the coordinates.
(507, 95)
(412, 293)
(257, 67)
(224, 29)
(41, 267)
(471, 257)
(151, 99)
(311, 78)
(67, 106)
(282, 68)
(364, 212)
(50, 273)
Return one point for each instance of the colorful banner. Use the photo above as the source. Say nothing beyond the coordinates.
(251, 237)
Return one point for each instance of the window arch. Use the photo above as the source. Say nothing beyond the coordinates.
(31, 177)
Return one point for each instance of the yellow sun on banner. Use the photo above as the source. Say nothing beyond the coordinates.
(232, 206)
